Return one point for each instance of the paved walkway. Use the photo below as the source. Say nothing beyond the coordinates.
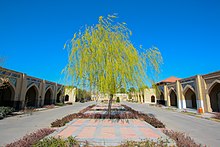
(106, 132)
(203, 131)
(13, 128)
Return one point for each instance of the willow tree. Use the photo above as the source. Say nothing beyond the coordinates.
(103, 57)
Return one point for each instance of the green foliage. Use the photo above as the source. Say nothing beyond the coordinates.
(103, 58)
(122, 90)
(30, 139)
(55, 142)
(5, 111)
(82, 95)
(117, 100)
(132, 89)
(146, 143)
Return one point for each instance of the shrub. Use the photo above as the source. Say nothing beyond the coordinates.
(49, 106)
(58, 142)
(30, 139)
(86, 109)
(181, 139)
(59, 104)
(125, 115)
(217, 116)
(4, 111)
(68, 103)
(145, 143)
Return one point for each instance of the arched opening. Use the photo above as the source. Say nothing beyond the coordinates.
(190, 98)
(161, 100)
(173, 99)
(152, 99)
(31, 97)
(48, 97)
(215, 98)
(58, 99)
(143, 98)
(162, 96)
(66, 97)
(7, 96)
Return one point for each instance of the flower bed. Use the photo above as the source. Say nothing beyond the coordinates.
(30, 139)
(149, 119)
(216, 116)
(131, 114)
(181, 139)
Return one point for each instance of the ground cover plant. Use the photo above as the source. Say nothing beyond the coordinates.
(4, 111)
(145, 143)
(59, 142)
(216, 116)
(149, 119)
(131, 114)
(30, 139)
(181, 139)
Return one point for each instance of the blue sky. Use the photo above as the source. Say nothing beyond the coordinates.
(187, 32)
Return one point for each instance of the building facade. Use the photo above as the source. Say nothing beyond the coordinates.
(27, 91)
(200, 92)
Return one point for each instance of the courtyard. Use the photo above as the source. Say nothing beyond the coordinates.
(112, 132)
(118, 73)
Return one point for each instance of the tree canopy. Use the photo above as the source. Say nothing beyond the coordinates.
(103, 57)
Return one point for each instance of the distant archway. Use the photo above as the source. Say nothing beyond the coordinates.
(173, 98)
(66, 97)
(152, 99)
(7, 96)
(190, 98)
(214, 95)
(58, 99)
(31, 97)
(48, 97)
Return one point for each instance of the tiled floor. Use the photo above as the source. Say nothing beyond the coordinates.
(109, 132)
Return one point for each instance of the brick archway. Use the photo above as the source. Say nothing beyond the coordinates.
(214, 95)
(31, 97)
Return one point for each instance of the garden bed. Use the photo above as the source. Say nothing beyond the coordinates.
(31, 139)
(127, 113)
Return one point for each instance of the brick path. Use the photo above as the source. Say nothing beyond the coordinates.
(106, 132)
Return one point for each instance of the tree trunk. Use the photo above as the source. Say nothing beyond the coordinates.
(110, 105)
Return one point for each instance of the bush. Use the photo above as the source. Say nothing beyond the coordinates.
(181, 139)
(145, 143)
(31, 139)
(4, 111)
(58, 142)
(59, 104)
(117, 100)
(217, 116)
(70, 117)
(125, 115)
(49, 106)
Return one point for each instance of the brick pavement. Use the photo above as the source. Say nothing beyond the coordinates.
(106, 132)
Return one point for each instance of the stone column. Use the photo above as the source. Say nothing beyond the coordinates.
(23, 90)
(178, 92)
(166, 96)
(199, 100)
(42, 93)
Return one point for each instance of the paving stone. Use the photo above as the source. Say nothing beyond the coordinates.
(109, 132)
